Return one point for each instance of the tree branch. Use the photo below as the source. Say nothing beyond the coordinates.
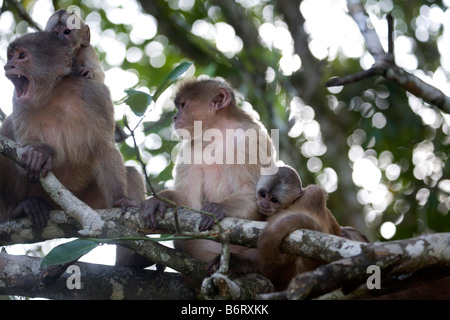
(415, 254)
(23, 13)
(236, 17)
(393, 258)
(245, 287)
(85, 215)
(19, 275)
(414, 286)
(397, 257)
(385, 64)
(312, 68)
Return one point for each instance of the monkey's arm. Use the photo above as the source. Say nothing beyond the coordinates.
(87, 64)
(18, 197)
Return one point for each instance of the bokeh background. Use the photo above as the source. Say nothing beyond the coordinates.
(381, 153)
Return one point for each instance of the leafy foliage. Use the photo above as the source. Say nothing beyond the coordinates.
(67, 252)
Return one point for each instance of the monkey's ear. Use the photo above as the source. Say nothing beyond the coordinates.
(85, 36)
(222, 99)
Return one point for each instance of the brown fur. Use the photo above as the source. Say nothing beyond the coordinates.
(289, 207)
(66, 124)
(85, 59)
(223, 189)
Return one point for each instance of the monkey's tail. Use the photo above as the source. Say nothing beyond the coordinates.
(276, 230)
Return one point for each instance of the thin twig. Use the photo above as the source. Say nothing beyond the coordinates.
(390, 21)
(385, 64)
(24, 14)
(333, 82)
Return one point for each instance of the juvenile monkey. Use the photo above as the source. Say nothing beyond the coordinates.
(288, 207)
(64, 124)
(208, 107)
(283, 190)
(72, 30)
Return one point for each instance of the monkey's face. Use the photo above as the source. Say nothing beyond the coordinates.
(16, 70)
(30, 68)
(189, 111)
(63, 32)
(68, 27)
(182, 119)
(267, 204)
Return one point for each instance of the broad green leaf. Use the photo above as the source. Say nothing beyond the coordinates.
(138, 101)
(156, 126)
(68, 252)
(171, 77)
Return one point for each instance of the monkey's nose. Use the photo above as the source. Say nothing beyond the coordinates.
(265, 205)
(8, 66)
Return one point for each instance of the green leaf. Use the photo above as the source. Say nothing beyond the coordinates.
(68, 252)
(171, 78)
(138, 101)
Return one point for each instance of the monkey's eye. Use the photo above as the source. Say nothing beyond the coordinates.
(22, 55)
(274, 200)
(9, 57)
(262, 194)
(182, 105)
(67, 31)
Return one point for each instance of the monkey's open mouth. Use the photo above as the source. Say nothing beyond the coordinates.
(21, 84)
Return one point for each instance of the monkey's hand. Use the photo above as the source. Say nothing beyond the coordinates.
(149, 208)
(37, 159)
(36, 209)
(86, 73)
(207, 221)
(125, 203)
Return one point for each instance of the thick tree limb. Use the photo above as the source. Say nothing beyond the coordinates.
(115, 225)
(311, 66)
(385, 64)
(417, 285)
(306, 243)
(20, 275)
(407, 256)
(399, 257)
(85, 215)
(393, 258)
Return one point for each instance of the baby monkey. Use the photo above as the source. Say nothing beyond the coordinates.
(289, 207)
(73, 31)
(282, 194)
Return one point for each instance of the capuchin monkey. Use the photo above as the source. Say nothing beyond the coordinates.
(70, 28)
(283, 191)
(288, 207)
(213, 126)
(64, 124)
